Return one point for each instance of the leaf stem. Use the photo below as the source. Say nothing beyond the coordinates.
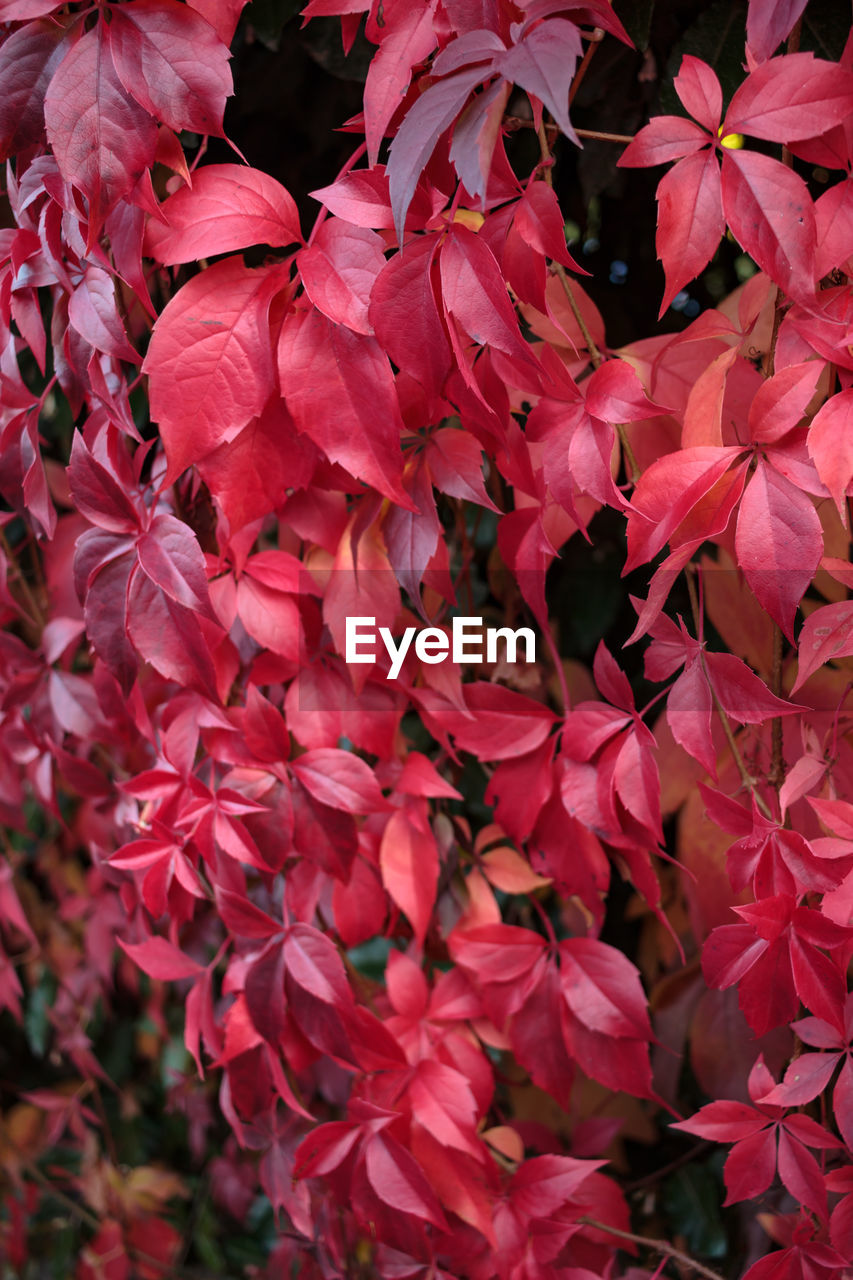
(657, 1246)
(35, 612)
(512, 123)
(777, 762)
(595, 41)
(547, 161)
(746, 777)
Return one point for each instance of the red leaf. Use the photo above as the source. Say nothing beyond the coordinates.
(173, 63)
(228, 207)
(408, 861)
(502, 724)
(171, 557)
(168, 636)
(405, 316)
(102, 138)
(690, 220)
(340, 390)
(93, 312)
(793, 97)
(209, 361)
(830, 443)
(771, 214)
(742, 694)
(768, 22)
(340, 780)
(28, 59)
(97, 493)
(474, 294)
(805, 1078)
(159, 958)
(699, 90)
(826, 634)
(313, 963)
(724, 1121)
(779, 543)
(602, 988)
(542, 1185)
(455, 462)
(397, 1180)
(543, 63)
(339, 269)
(614, 393)
(780, 402)
(362, 198)
(663, 138)
(407, 39)
(842, 1103)
(415, 141)
(800, 1173)
(750, 1166)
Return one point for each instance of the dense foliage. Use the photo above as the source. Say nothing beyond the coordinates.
(310, 971)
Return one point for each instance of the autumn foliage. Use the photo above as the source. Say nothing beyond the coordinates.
(425, 967)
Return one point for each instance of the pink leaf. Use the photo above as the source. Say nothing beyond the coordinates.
(339, 269)
(173, 63)
(690, 220)
(228, 207)
(102, 138)
(779, 542)
(340, 779)
(209, 361)
(159, 958)
(771, 214)
(699, 90)
(796, 96)
(830, 443)
(408, 861)
(340, 390)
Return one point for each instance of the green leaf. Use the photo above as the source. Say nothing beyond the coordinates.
(692, 1197)
(36, 1020)
(636, 16)
(717, 37)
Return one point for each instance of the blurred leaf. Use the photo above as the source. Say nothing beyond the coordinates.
(371, 957)
(692, 1198)
(826, 24)
(637, 18)
(36, 1020)
(268, 17)
(717, 38)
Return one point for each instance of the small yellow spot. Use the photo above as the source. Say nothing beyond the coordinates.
(732, 141)
(469, 218)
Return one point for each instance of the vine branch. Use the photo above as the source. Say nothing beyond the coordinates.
(746, 777)
(657, 1246)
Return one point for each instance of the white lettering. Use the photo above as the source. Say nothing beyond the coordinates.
(463, 635)
(432, 645)
(354, 639)
(464, 643)
(510, 638)
(396, 652)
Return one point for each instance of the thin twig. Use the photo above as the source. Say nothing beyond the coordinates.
(746, 777)
(595, 355)
(657, 1246)
(513, 123)
(686, 1157)
(33, 607)
(596, 40)
(777, 761)
(89, 1219)
(547, 161)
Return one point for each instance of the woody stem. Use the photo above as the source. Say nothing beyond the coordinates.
(657, 1246)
